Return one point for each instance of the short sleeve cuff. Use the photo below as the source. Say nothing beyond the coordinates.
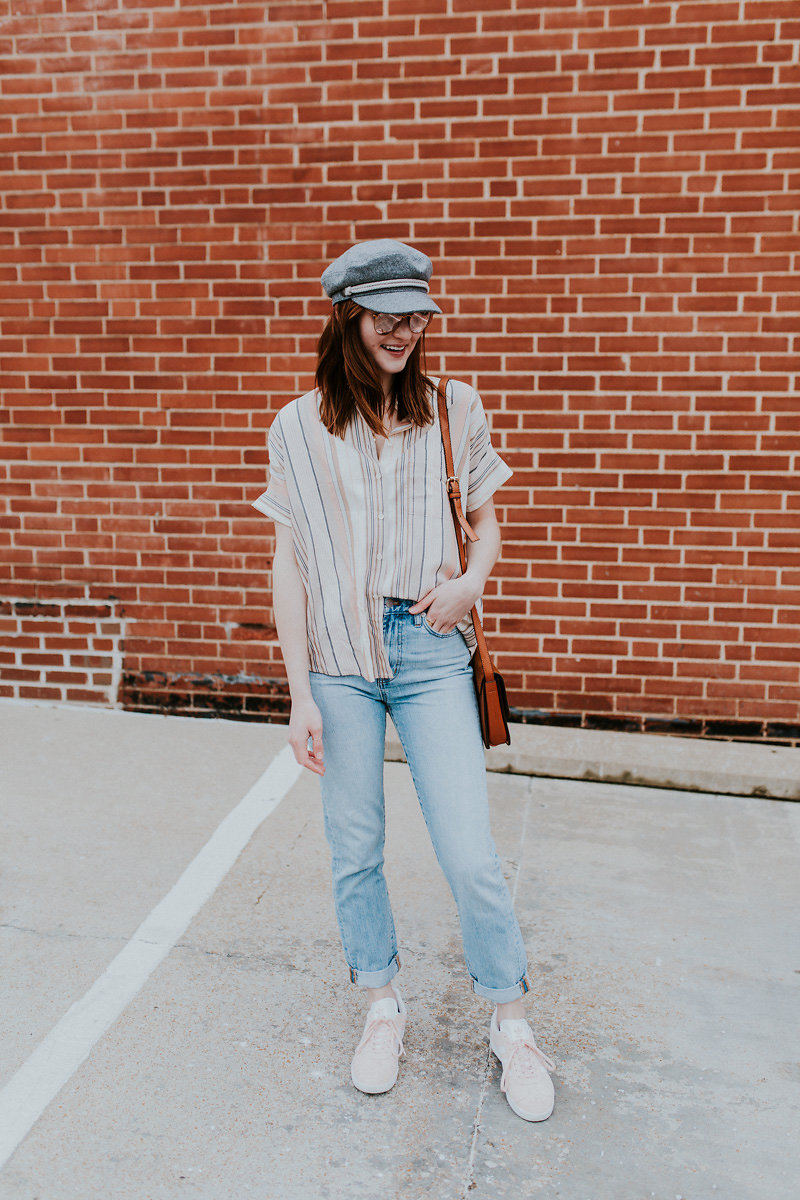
(267, 505)
(498, 472)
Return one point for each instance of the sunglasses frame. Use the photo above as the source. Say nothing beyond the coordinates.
(397, 318)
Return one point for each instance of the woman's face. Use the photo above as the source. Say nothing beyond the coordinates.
(376, 344)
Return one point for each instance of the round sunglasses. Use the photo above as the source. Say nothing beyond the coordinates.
(388, 322)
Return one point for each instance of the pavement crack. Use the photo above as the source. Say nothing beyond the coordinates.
(469, 1178)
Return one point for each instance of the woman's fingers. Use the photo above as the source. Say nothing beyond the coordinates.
(305, 725)
(316, 740)
(314, 757)
(311, 757)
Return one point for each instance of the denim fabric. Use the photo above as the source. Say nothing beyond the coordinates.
(431, 699)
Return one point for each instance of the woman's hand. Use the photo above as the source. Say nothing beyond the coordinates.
(448, 602)
(305, 721)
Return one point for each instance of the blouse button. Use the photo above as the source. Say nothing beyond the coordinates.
(380, 516)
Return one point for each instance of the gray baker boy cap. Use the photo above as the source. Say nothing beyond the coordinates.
(382, 275)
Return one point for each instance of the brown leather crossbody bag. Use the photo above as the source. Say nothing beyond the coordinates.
(490, 688)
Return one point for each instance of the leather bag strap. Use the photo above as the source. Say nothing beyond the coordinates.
(459, 520)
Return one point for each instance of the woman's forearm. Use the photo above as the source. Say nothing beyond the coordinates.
(289, 603)
(483, 554)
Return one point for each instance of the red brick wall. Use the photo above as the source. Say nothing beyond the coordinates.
(609, 193)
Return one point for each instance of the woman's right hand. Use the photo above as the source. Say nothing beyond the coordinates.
(305, 721)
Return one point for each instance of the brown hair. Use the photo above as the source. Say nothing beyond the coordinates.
(348, 378)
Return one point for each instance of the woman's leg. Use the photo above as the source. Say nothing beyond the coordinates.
(353, 737)
(434, 709)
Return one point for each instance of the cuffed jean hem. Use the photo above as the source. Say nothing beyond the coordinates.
(501, 995)
(376, 979)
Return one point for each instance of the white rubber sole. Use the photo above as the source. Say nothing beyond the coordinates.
(373, 1091)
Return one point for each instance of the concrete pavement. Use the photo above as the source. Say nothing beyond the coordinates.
(660, 927)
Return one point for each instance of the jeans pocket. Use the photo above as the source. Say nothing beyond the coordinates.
(430, 628)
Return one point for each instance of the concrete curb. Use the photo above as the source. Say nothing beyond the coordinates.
(646, 759)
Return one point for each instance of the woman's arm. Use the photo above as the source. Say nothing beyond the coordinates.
(289, 603)
(483, 554)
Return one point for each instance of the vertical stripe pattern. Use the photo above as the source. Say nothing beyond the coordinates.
(367, 526)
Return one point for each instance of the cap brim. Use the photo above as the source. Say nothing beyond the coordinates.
(410, 300)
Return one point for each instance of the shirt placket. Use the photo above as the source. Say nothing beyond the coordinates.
(386, 519)
(387, 510)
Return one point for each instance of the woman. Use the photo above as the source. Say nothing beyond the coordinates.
(373, 615)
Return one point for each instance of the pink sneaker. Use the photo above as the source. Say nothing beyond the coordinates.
(525, 1079)
(376, 1059)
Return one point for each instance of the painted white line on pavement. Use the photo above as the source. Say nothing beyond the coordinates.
(57, 1057)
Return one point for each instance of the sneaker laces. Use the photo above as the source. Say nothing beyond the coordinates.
(383, 1032)
(525, 1063)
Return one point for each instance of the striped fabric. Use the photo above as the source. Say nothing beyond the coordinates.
(367, 526)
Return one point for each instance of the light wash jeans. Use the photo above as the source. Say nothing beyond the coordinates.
(431, 699)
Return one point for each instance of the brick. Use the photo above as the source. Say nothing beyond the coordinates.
(609, 194)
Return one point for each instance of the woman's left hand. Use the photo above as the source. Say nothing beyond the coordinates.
(448, 602)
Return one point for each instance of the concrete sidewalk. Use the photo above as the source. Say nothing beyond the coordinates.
(662, 956)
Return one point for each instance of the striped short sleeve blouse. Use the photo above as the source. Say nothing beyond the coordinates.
(367, 526)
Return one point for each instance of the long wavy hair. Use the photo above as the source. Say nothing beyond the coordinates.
(348, 378)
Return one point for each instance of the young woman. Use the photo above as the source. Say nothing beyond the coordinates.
(373, 615)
